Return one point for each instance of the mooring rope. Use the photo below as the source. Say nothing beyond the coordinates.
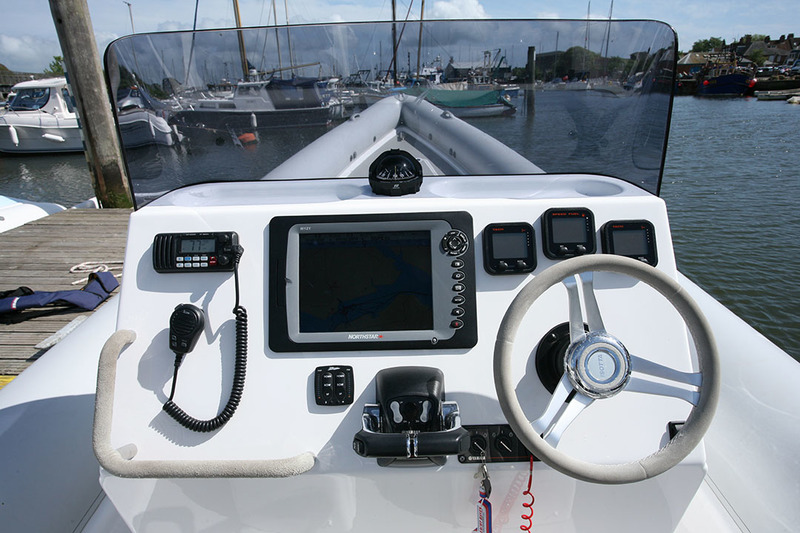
(89, 267)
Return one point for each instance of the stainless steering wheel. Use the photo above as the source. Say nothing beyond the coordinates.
(598, 366)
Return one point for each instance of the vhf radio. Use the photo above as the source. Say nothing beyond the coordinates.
(194, 252)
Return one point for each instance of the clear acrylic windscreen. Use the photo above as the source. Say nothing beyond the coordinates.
(576, 96)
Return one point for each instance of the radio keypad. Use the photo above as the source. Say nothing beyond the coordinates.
(195, 261)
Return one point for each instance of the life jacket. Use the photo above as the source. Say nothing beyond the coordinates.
(96, 290)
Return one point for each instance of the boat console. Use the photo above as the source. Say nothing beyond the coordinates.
(371, 345)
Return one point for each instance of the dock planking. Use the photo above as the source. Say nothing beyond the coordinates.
(39, 255)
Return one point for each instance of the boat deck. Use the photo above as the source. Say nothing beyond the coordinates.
(40, 255)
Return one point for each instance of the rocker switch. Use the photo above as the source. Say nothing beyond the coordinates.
(333, 385)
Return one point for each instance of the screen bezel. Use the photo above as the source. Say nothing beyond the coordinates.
(612, 227)
(559, 249)
(284, 321)
(496, 263)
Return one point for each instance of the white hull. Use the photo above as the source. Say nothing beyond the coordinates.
(46, 135)
(481, 111)
(15, 212)
(141, 127)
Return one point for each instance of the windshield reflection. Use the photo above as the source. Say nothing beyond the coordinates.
(218, 105)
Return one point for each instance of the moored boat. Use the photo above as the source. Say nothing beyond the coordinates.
(15, 212)
(140, 124)
(256, 104)
(466, 102)
(40, 118)
(721, 77)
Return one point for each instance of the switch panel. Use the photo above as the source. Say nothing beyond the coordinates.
(496, 443)
(333, 385)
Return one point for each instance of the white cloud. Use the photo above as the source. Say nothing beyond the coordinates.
(25, 53)
(457, 9)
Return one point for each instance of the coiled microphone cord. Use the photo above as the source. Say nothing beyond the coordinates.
(205, 426)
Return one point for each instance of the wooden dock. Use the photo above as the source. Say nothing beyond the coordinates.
(40, 255)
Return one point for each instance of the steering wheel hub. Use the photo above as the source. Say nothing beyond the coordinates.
(598, 365)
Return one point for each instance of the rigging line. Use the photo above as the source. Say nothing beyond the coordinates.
(372, 38)
(264, 48)
(191, 48)
(432, 37)
(400, 39)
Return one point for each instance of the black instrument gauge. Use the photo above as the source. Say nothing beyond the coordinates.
(395, 173)
(509, 248)
(568, 232)
(631, 238)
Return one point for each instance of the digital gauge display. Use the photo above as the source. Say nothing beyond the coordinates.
(631, 238)
(568, 232)
(509, 248)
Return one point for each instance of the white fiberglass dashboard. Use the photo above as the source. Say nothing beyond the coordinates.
(300, 438)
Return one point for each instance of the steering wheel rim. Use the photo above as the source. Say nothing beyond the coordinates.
(700, 416)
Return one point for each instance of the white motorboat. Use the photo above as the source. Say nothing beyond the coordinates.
(403, 324)
(40, 118)
(256, 104)
(140, 124)
(15, 212)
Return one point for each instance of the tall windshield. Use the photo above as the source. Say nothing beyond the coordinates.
(566, 96)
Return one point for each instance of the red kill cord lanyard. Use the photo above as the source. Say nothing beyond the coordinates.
(484, 507)
(529, 504)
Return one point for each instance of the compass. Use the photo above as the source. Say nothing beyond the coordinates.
(395, 173)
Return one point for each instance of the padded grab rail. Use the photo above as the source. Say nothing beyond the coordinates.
(120, 461)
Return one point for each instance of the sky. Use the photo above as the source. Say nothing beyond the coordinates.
(28, 38)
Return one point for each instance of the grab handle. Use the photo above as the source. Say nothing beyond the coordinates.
(120, 462)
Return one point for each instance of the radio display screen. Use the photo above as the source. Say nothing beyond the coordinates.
(365, 281)
(199, 246)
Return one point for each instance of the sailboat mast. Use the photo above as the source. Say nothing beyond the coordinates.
(419, 44)
(242, 50)
(394, 41)
(288, 36)
(586, 39)
(277, 39)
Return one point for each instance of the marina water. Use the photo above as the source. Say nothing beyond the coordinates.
(732, 187)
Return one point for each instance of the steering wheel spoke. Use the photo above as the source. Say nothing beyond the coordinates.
(542, 424)
(645, 366)
(560, 412)
(567, 416)
(645, 386)
(593, 317)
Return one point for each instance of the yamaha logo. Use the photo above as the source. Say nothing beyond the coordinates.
(364, 337)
